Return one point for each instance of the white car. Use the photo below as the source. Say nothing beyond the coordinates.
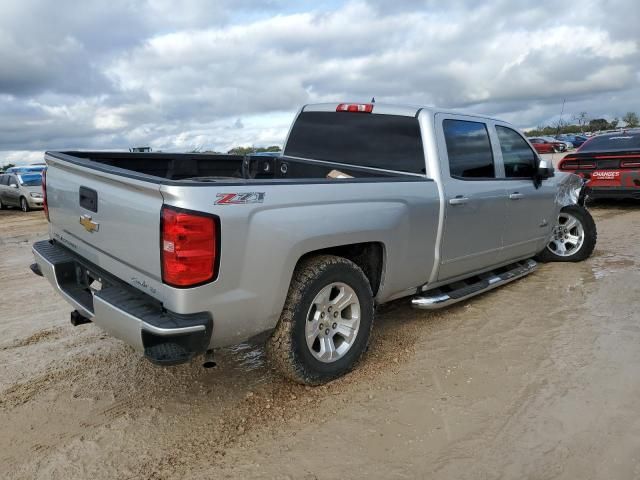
(21, 190)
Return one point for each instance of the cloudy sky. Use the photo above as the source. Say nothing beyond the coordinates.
(215, 74)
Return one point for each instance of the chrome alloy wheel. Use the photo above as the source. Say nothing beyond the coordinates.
(332, 323)
(568, 236)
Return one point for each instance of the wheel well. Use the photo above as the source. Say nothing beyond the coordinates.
(369, 256)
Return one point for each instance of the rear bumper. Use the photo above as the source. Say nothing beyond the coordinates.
(609, 192)
(165, 337)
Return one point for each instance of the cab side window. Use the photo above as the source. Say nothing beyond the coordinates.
(469, 149)
(519, 159)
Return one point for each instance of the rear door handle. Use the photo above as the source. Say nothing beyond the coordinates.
(516, 196)
(459, 200)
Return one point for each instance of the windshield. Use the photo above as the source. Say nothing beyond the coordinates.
(31, 180)
(615, 142)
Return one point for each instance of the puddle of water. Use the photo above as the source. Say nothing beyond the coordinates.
(248, 357)
(606, 263)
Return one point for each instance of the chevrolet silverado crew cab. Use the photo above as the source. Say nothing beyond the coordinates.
(180, 254)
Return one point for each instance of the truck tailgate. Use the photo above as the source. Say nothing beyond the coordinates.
(107, 215)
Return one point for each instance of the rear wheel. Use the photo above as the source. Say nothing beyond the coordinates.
(24, 205)
(574, 236)
(325, 325)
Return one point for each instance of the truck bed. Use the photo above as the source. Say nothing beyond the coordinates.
(190, 168)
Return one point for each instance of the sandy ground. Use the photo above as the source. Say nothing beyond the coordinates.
(538, 379)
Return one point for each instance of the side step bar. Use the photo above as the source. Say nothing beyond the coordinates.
(459, 291)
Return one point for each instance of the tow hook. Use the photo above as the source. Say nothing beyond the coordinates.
(208, 361)
(78, 319)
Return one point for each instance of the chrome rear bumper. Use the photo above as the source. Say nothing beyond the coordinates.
(165, 337)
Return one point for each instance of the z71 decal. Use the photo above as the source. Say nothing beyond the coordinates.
(239, 198)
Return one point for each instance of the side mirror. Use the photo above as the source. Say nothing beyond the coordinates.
(545, 169)
(13, 185)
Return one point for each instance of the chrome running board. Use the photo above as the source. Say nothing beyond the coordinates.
(459, 291)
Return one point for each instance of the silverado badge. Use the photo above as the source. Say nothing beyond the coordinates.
(88, 224)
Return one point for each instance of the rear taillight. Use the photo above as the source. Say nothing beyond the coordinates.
(569, 165)
(355, 107)
(190, 244)
(44, 194)
(630, 164)
(576, 165)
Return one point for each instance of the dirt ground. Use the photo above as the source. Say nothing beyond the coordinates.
(537, 380)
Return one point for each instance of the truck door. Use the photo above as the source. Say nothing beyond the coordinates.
(530, 208)
(474, 196)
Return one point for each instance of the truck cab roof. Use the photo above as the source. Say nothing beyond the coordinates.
(406, 110)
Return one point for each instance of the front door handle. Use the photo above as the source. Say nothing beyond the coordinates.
(459, 200)
(516, 196)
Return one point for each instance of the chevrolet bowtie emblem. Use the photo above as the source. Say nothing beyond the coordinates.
(88, 224)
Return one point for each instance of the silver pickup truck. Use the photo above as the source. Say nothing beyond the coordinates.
(179, 254)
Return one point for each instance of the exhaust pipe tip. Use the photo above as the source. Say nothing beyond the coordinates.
(209, 362)
(35, 268)
(78, 319)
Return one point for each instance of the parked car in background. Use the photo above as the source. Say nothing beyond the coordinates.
(610, 163)
(576, 140)
(564, 145)
(267, 154)
(543, 145)
(22, 190)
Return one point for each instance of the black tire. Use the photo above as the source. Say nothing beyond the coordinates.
(24, 205)
(2, 206)
(287, 348)
(589, 243)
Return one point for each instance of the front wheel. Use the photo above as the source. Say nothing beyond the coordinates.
(24, 206)
(2, 206)
(574, 236)
(326, 321)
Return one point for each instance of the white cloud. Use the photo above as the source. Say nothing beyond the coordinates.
(183, 77)
(21, 157)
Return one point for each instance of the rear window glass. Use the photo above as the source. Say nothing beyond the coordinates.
(391, 142)
(609, 143)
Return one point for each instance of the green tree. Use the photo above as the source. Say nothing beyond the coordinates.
(6, 165)
(631, 119)
(598, 124)
(250, 150)
(582, 119)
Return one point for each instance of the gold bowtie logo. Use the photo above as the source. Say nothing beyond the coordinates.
(88, 224)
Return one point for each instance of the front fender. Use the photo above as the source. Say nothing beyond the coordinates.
(570, 190)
